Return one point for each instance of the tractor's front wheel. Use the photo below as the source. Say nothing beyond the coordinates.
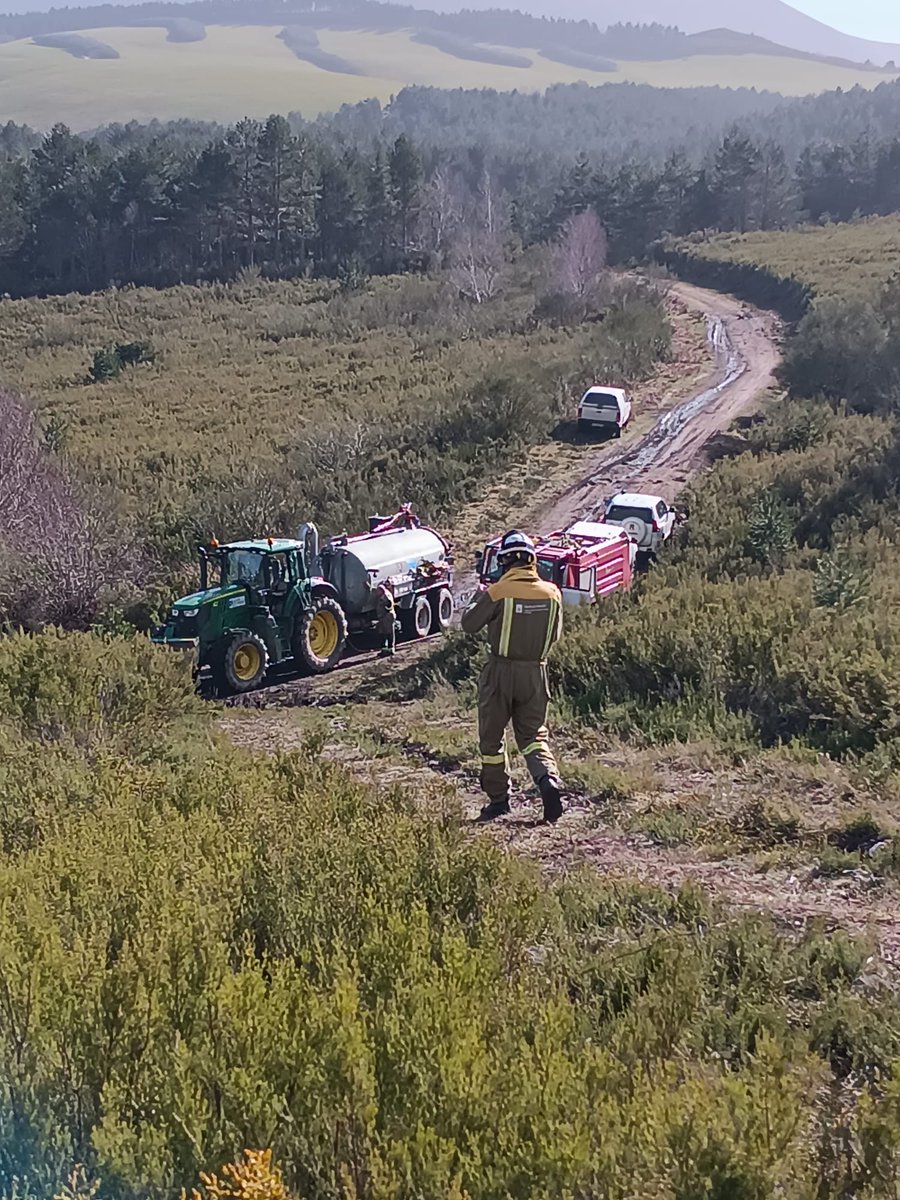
(240, 664)
(320, 636)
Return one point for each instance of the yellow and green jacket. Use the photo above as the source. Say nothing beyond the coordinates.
(522, 614)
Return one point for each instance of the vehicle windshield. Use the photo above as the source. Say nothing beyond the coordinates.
(491, 567)
(243, 566)
(549, 569)
(621, 512)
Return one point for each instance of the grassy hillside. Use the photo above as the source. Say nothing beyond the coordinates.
(275, 401)
(832, 260)
(247, 70)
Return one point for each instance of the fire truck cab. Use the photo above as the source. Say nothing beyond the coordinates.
(587, 561)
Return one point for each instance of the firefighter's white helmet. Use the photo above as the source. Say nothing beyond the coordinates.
(518, 545)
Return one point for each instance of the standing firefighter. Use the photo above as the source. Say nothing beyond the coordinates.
(386, 612)
(523, 617)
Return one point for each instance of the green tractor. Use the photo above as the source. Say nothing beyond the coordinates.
(257, 606)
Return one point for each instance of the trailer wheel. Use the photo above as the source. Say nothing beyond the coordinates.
(416, 621)
(320, 636)
(441, 610)
(240, 664)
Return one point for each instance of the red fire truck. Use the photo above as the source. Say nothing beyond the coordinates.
(587, 561)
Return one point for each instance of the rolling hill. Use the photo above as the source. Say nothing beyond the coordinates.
(225, 59)
(773, 20)
(770, 19)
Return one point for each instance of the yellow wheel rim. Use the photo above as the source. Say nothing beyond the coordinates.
(247, 661)
(323, 634)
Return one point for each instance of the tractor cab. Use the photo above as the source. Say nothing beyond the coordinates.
(255, 588)
(271, 566)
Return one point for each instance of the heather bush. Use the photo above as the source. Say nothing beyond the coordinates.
(90, 691)
(259, 377)
(205, 952)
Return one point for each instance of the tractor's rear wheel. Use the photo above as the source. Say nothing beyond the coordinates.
(320, 636)
(240, 664)
(441, 610)
(416, 621)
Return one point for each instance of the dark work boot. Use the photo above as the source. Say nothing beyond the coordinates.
(490, 812)
(551, 794)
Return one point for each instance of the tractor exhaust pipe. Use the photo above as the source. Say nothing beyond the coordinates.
(204, 568)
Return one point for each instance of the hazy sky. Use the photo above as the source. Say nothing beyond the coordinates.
(878, 19)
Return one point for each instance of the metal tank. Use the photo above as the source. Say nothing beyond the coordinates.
(355, 566)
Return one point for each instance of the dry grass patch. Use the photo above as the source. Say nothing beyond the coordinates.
(842, 260)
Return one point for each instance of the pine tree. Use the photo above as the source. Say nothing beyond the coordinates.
(286, 191)
(776, 193)
(243, 142)
(379, 212)
(405, 167)
(770, 530)
(737, 164)
(839, 583)
(338, 217)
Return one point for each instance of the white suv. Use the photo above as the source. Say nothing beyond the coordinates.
(648, 520)
(607, 409)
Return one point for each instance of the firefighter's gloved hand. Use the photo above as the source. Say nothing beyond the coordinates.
(397, 627)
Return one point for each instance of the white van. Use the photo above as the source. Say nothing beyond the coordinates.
(605, 410)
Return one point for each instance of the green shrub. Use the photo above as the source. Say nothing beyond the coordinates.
(132, 353)
(106, 365)
(109, 361)
(770, 530)
(87, 691)
(839, 583)
(205, 952)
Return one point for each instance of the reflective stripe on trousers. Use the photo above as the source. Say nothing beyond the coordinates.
(513, 692)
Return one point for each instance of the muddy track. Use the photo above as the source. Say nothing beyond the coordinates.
(743, 345)
(743, 351)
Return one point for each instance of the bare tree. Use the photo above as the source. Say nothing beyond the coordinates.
(477, 258)
(580, 256)
(441, 213)
(63, 554)
(476, 264)
(34, 497)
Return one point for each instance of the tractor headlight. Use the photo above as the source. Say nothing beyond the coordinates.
(189, 612)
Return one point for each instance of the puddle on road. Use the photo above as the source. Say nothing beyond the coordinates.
(730, 366)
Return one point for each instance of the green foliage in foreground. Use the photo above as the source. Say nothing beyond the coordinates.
(202, 950)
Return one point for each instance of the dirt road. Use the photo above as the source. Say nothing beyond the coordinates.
(697, 401)
(744, 353)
